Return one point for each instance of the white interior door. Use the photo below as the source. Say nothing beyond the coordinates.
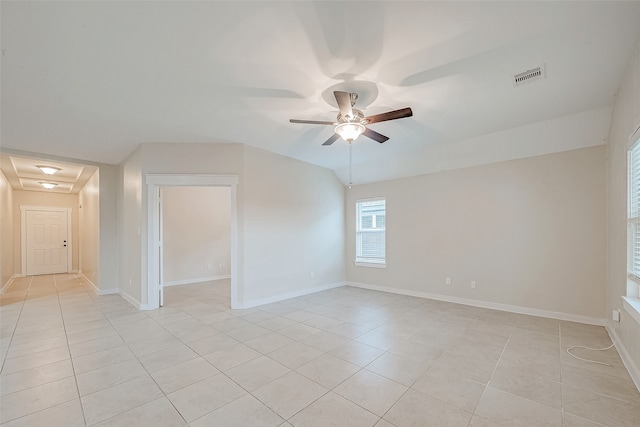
(46, 242)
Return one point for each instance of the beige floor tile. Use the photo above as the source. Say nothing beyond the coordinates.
(322, 322)
(257, 372)
(197, 400)
(269, 342)
(22, 380)
(325, 341)
(157, 413)
(539, 324)
(599, 408)
(328, 371)
(166, 358)
(33, 360)
(538, 365)
(68, 414)
(108, 376)
(508, 409)
(36, 336)
(246, 333)
(357, 353)
(416, 409)
(533, 343)
(400, 369)
(295, 355)
(211, 344)
(332, 410)
(529, 385)
(28, 401)
(93, 334)
(115, 400)
(384, 423)
(96, 345)
(450, 388)
(289, 394)
(373, 392)
(232, 356)
(154, 345)
(607, 385)
(101, 359)
(17, 350)
(570, 420)
(298, 331)
(184, 374)
(477, 421)
(245, 411)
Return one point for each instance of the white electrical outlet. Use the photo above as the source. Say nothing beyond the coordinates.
(313, 275)
(473, 284)
(209, 266)
(615, 315)
(448, 281)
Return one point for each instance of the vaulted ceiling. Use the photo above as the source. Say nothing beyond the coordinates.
(93, 80)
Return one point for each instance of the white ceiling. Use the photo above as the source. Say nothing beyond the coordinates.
(92, 80)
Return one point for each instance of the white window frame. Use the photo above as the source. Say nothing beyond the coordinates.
(365, 261)
(631, 301)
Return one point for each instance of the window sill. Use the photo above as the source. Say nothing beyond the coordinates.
(370, 264)
(632, 306)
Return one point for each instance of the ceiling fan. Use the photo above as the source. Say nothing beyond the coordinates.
(351, 123)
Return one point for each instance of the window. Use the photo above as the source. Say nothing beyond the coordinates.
(371, 219)
(633, 220)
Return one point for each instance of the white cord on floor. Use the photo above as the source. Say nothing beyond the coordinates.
(591, 348)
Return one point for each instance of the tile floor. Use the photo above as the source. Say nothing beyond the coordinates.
(345, 357)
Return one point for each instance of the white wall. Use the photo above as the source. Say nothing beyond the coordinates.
(109, 232)
(42, 198)
(293, 225)
(89, 228)
(283, 206)
(625, 119)
(129, 228)
(530, 232)
(7, 269)
(196, 234)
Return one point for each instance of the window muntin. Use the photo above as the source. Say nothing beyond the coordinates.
(371, 219)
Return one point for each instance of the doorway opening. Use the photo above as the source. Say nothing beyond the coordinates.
(155, 184)
(195, 251)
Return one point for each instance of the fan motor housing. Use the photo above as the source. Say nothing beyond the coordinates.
(358, 117)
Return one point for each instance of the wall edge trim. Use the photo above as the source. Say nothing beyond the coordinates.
(486, 304)
(196, 280)
(249, 303)
(633, 370)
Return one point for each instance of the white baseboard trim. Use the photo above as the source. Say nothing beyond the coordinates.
(93, 285)
(486, 304)
(633, 370)
(287, 295)
(196, 280)
(108, 291)
(9, 283)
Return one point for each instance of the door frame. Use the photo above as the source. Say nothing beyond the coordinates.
(154, 182)
(23, 233)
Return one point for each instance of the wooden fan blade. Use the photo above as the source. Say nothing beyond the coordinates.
(389, 115)
(332, 139)
(375, 135)
(312, 122)
(344, 103)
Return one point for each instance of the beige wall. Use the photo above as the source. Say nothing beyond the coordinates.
(282, 205)
(625, 119)
(89, 238)
(7, 268)
(129, 227)
(530, 232)
(196, 233)
(293, 226)
(41, 198)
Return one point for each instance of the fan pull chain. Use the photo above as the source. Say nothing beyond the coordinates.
(350, 176)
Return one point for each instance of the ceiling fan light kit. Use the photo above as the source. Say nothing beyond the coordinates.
(351, 123)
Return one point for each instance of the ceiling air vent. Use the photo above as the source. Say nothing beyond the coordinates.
(529, 76)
